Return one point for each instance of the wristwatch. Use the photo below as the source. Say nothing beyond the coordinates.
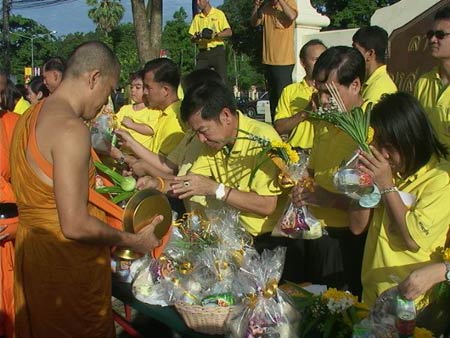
(447, 271)
(220, 192)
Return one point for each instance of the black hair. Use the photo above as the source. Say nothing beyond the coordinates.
(211, 97)
(37, 85)
(54, 63)
(442, 14)
(164, 70)
(348, 63)
(310, 43)
(136, 75)
(373, 37)
(199, 76)
(400, 122)
(10, 96)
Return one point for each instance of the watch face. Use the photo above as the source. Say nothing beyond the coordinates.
(447, 272)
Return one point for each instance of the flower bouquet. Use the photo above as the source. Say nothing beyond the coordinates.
(330, 314)
(355, 123)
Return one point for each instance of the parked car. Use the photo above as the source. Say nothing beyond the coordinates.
(258, 109)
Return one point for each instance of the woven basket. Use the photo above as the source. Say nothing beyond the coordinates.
(208, 320)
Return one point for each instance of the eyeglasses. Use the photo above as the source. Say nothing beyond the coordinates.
(438, 34)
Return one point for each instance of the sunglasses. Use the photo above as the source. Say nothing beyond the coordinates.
(438, 34)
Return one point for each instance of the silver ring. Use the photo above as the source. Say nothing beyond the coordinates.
(187, 184)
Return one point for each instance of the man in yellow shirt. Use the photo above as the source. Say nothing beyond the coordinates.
(432, 88)
(227, 159)
(207, 30)
(278, 20)
(334, 259)
(372, 42)
(161, 80)
(290, 118)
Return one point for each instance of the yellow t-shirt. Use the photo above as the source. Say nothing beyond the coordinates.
(234, 169)
(435, 99)
(378, 83)
(21, 106)
(169, 131)
(215, 20)
(427, 220)
(145, 116)
(294, 98)
(278, 36)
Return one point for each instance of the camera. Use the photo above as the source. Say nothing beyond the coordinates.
(206, 34)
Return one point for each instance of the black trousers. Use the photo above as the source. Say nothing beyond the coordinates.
(213, 58)
(277, 78)
(336, 260)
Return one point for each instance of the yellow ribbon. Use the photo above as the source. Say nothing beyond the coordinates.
(185, 268)
(270, 289)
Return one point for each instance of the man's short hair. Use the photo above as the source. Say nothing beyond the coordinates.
(199, 76)
(164, 70)
(211, 97)
(348, 63)
(310, 43)
(54, 63)
(373, 37)
(442, 14)
(90, 56)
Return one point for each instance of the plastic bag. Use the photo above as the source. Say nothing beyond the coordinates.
(102, 131)
(356, 184)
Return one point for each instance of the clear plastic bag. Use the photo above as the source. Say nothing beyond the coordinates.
(102, 131)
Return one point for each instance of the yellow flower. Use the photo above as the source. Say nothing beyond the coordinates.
(446, 255)
(277, 144)
(370, 134)
(338, 295)
(422, 333)
(293, 156)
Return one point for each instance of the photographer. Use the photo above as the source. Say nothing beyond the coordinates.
(208, 29)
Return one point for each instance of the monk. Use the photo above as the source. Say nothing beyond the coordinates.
(62, 276)
(8, 226)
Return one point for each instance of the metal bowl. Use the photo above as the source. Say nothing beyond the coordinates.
(143, 207)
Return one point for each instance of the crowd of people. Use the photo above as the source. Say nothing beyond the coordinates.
(184, 136)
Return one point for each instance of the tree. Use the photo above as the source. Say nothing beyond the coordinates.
(147, 19)
(176, 41)
(349, 14)
(106, 14)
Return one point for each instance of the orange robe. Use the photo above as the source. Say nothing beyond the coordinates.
(7, 123)
(62, 287)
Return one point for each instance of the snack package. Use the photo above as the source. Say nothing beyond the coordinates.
(265, 311)
(356, 184)
(102, 130)
(298, 222)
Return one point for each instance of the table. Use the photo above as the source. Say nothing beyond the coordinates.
(166, 315)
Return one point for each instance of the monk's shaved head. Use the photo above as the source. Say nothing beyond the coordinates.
(90, 56)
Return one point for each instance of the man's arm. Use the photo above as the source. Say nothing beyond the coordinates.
(199, 185)
(290, 13)
(257, 16)
(285, 126)
(140, 128)
(71, 157)
(226, 33)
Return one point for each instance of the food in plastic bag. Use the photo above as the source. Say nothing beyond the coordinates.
(102, 131)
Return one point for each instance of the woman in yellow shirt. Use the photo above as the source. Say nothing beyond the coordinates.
(408, 165)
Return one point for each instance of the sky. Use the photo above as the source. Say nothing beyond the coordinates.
(71, 17)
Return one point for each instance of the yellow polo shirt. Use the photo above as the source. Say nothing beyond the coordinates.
(234, 169)
(331, 148)
(215, 20)
(294, 98)
(21, 106)
(427, 222)
(145, 116)
(169, 131)
(378, 83)
(435, 99)
(278, 36)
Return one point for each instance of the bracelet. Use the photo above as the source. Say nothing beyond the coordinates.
(162, 184)
(388, 190)
(227, 194)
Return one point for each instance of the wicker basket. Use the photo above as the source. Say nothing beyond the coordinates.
(205, 319)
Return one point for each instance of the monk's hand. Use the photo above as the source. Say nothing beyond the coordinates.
(147, 182)
(194, 185)
(146, 240)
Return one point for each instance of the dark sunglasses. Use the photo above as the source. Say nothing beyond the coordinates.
(438, 34)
